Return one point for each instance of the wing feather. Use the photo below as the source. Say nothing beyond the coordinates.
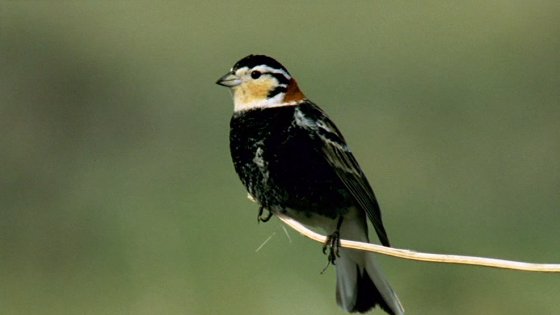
(339, 156)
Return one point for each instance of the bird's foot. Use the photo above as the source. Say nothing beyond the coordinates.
(332, 246)
(263, 218)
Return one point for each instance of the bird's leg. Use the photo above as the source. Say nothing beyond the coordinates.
(261, 217)
(333, 244)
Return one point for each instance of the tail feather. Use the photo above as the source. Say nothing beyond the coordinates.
(368, 295)
(360, 284)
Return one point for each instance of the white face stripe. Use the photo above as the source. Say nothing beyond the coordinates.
(264, 69)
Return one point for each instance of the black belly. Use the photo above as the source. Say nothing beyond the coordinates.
(282, 165)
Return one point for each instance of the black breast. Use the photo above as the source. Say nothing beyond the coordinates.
(282, 165)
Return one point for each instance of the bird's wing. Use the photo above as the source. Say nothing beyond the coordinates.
(339, 156)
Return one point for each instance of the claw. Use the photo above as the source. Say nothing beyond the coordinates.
(261, 218)
(332, 245)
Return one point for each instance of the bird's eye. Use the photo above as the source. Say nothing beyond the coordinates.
(255, 74)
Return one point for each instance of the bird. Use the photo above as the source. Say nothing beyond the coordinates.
(294, 160)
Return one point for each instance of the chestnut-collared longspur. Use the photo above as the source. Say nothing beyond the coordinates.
(293, 160)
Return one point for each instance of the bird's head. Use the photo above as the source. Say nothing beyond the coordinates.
(258, 81)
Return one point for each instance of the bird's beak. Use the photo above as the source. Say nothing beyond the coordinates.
(229, 80)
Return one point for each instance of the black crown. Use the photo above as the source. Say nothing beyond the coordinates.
(257, 60)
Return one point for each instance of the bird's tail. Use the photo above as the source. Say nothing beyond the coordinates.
(360, 284)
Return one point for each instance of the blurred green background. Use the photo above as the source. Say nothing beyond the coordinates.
(117, 193)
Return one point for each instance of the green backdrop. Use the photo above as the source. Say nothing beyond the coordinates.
(118, 196)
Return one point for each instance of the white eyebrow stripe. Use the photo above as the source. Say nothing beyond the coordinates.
(265, 68)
